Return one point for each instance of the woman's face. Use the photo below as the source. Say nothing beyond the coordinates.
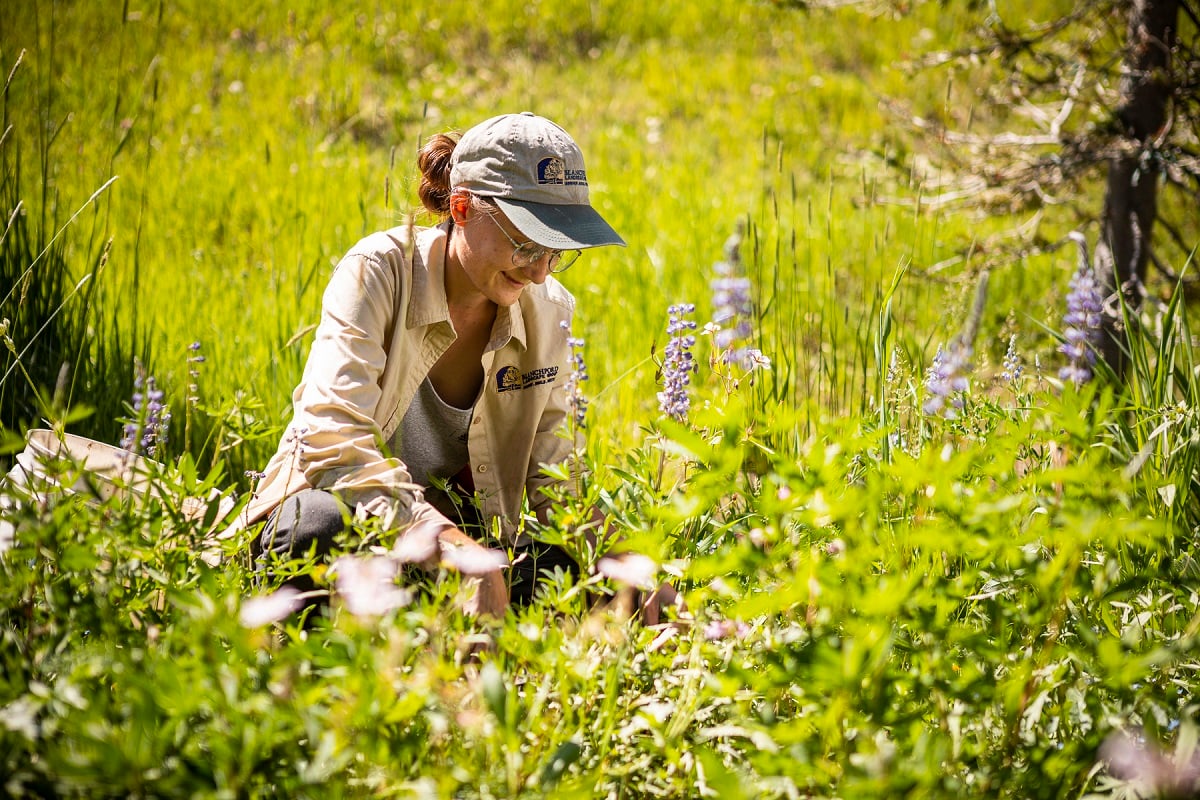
(485, 253)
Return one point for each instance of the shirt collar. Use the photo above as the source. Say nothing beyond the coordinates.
(510, 324)
(427, 300)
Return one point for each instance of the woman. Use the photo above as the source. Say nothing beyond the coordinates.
(441, 358)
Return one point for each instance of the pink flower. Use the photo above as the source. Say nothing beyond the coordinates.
(1131, 757)
(474, 560)
(265, 609)
(367, 585)
(724, 628)
(631, 569)
(416, 545)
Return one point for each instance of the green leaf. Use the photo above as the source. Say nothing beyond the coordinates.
(495, 693)
(567, 754)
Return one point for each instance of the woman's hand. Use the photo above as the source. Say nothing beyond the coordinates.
(490, 598)
(486, 591)
(638, 573)
(654, 603)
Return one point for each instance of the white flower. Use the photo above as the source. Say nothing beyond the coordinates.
(265, 609)
(755, 359)
(20, 716)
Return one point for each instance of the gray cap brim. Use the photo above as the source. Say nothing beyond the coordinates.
(561, 227)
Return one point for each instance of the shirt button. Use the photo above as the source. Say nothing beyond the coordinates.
(483, 467)
(477, 420)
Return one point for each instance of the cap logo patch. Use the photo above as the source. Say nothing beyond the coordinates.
(551, 171)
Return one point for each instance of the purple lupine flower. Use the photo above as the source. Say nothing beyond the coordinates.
(733, 309)
(575, 398)
(946, 381)
(678, 363)
(147, 431)
(1085, 304)
(129, 433)
(158, 419)
(1012, 367)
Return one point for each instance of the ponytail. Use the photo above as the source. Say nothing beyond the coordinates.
(434, 162)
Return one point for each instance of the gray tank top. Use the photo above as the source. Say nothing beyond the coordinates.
(432, 442)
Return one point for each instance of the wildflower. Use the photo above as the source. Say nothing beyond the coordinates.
(1131, 757)
(21, 717)
(631, 569)
(1082, 322)
(194, 358)
(678, 363)
(946, 381)
(575, 398)
(733, 308)
(475, 560)
(1012, 362)
(265, 609)
(147, 430)
(416, 545)
(367, 585)
(158, 419)
(753, 359)
(724, 628)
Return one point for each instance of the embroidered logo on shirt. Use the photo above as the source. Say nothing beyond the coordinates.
(510, 378)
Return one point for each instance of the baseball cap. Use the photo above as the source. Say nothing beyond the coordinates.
(533, 170)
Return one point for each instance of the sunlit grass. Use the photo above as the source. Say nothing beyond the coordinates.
(254, 145)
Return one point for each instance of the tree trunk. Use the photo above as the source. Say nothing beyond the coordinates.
(1131, 194)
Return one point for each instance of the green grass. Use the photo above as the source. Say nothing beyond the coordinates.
(253, 145)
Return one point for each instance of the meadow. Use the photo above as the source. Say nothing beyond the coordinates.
(902, 579)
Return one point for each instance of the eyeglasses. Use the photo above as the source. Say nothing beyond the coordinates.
(526, 254)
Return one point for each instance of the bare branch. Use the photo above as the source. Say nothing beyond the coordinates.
(1169, 274)
(1007, 43)
(1175, 235)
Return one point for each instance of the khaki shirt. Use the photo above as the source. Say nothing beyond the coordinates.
(384, 323)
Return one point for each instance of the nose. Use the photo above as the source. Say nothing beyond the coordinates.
(538, 270)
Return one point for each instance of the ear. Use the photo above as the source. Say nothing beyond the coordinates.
(460, 204)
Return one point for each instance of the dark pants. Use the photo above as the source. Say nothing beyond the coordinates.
(310, 521)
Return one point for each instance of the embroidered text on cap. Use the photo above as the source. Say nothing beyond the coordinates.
(551, 171)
